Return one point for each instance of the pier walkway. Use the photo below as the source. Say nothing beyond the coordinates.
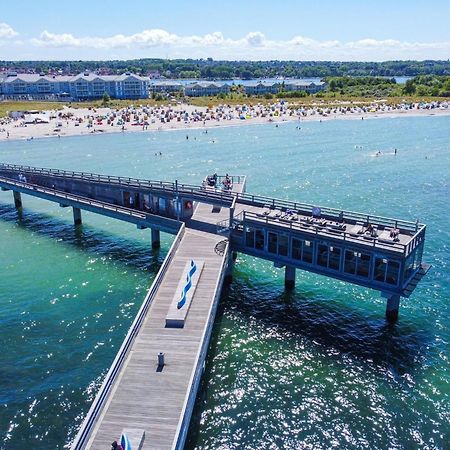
(141, 395)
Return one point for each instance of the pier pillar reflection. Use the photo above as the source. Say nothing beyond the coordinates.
(392, 307)
(289, 277)
(229, 269)
(76, 216)
(156, 240)
(17, 199)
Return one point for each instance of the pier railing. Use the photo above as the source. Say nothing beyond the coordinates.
(101, 398)
(299, 226)
(328, 213)
(61, 196)
(167, 187)
(221, 196)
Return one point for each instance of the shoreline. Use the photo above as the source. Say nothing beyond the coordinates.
(17, 130)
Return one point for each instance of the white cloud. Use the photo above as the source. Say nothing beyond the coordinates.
(6, 31)
(255, 45)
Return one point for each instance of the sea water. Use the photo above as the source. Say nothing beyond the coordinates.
(315, 368)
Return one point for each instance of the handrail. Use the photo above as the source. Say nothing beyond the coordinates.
(155, 185)
(81, 199)
(332, 213)
(88, 424)
(214, 195)
(342, 235)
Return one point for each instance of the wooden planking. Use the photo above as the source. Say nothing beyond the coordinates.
(143, 398)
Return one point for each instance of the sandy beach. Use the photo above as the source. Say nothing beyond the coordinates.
(74, 122)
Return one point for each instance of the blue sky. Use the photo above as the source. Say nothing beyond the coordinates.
(288, 29)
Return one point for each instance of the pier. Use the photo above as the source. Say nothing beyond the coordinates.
(150, 388)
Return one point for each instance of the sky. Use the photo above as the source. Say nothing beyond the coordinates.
(339, 30)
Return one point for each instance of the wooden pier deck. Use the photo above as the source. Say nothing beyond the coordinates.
(160, 403)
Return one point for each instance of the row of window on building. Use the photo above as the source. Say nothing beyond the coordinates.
(84, 86)
(334, 258)
(199, 89)
(89, 86)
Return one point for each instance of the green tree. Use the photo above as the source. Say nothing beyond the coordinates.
(106, 98)
(410, 87)
(446, 88)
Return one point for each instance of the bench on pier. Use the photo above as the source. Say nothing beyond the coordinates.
(184, 294)
(132, 439)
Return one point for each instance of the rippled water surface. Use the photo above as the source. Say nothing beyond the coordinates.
(316, 368)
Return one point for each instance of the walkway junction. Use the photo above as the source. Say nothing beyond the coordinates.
(149, 392)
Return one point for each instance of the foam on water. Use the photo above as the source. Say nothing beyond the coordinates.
(316, 368)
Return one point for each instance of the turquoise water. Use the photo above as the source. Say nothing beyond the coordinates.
(316, 368)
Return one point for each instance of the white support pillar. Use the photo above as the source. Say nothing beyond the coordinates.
(17, 199)
(392, 306)
(156, 240)
(76, 216)
(289, 277)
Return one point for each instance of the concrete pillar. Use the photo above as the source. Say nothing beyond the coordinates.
(392, 306)
(289, 277)
(17, 199)
(156, 240)
(76, 216)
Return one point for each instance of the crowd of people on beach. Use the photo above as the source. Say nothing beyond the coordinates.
(90, 120)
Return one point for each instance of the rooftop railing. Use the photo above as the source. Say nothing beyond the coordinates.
(335, 214)
(321, 230)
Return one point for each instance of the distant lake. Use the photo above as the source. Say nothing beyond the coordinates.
(400, 80)
(239, 81)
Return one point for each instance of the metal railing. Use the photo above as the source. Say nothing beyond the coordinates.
(219, 195)
(172, 188)
(98, 404)
(61, 196)
(326, 212)
(317, 231)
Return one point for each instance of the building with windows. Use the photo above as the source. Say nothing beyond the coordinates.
(262, 87)
(166, 87)
(206, 88)
(84, 86)
(307, 86)
(274, 87)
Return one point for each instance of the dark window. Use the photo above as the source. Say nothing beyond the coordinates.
(380, 269)
(363, 265)
(273, 238)
(386, 271)
(350, 262)
(297, 248)
(322, 255)
(307, 252)
(250, 237)
(357, 263)
(334, 258)
(259, 239)
(393, 268)
(283, 245)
